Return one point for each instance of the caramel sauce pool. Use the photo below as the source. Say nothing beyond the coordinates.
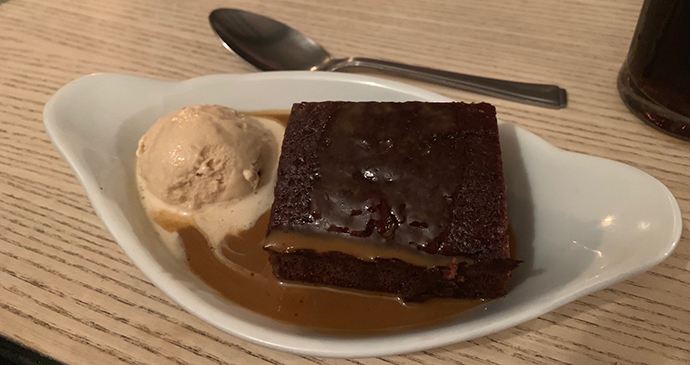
(247, 280)
(254, 287)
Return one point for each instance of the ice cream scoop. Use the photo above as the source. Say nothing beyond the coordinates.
(203, 154)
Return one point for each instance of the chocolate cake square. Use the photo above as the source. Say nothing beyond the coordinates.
(404, 198)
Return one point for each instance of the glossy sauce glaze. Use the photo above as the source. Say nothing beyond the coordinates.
(421, 177)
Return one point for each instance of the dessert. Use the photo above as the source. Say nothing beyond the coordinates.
(222, 238)
(403, 198)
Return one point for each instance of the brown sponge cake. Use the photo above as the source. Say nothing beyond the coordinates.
(405, 198)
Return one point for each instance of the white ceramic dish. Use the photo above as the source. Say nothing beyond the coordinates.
(582, 223)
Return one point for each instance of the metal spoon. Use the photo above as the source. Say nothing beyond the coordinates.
(273, 46)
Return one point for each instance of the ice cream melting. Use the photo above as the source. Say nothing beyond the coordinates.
(210, 167)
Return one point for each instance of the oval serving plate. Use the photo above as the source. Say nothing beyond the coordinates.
(582, 223)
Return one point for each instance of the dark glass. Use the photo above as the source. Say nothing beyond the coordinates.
(654, 81)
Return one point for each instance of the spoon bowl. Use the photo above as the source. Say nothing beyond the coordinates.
(265, 43)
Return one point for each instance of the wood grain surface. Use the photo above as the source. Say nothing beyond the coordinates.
(68, 290)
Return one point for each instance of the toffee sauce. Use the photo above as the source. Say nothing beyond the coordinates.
(253, 286)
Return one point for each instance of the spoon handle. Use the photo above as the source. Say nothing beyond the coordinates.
(549, 96)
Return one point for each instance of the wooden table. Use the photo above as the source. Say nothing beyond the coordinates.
(68, 291)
